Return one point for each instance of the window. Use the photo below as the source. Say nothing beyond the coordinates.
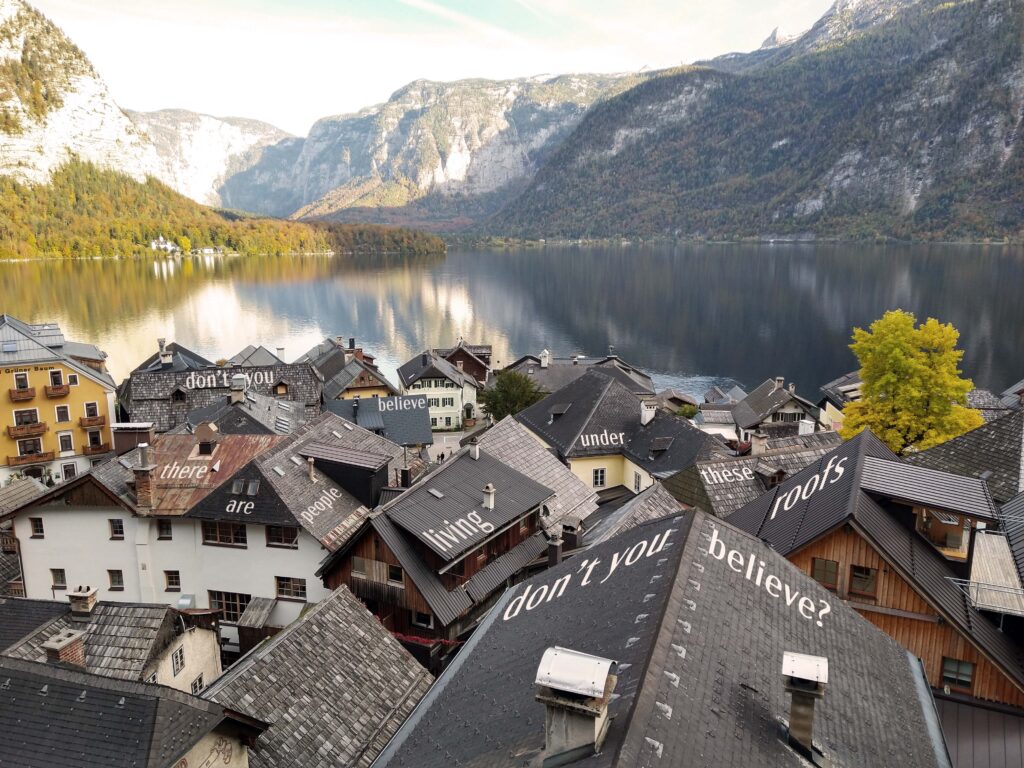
(21, 381)
(448, 402)
(92, 410)
(253, 487)
(116, 581)
(237, 486)
(63, 414)
(957, 673)
(151, 678)
(863, 580)
(73, 379)
(26, 417)
(197, 685)
(224, 534)
(447, 421)
(69, 471)
(825, 572)
(281, 389)
(58, 578)
(206, 447)
(116, 528)
(230, 604)
(433, 422)
(178, 660)
(395, 575)
(636, 482)
(95, 438)
(164, 530)
(172, 581)
(178, 396)
(289, 588)
(425, 620)
(359, 567)
(66, 442)
(282, 536)
(36, 524)
(56, 378)
(30, 447)
(433, 402)
(599, 477)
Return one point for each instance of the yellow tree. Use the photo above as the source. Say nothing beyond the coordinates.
(912, 396)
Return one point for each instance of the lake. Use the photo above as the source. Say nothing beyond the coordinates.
(689, 314)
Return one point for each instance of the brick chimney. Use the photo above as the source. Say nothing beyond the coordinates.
(144, 496)
(575, 689)
(758, 443)
(67, 647)
(83, 601)
(805, 678)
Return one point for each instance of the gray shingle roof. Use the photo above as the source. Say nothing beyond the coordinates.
(257, 414)
(20, 617)
(651, 504)
(182, 359)
(18, 492)
(763, 401)
(843, 390)
(990, 406)
(428, 364)
(404, 419)
(334, 685)
(699, 651)
(561, 372)
(996, 447)
(252, 356)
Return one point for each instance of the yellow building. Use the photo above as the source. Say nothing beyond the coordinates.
(60, 403)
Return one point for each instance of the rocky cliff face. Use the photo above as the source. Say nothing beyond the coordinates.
(54, 106)
(467, 138)
(198, 153)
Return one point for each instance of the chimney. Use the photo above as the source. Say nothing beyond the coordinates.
(280, 354)
(554, 552)
(309, 463)
(459, 364)
(572, 534)
(489, 491)
(474, 449)
(237, 394)
(545, 359)
(166, 357)
(352, 342)
(82, 600)
(611, 350)
(406, 475)
(425, 359)
(575, 689)
(805, 678)
(575, 359)
(758, 443)
(648, 408)
(144, 479)
(779, 383)
(355, 407)
(792, 387)
(67, 647)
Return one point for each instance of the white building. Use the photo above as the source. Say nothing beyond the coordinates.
(450, 391)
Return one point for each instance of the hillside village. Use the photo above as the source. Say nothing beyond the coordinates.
(271, 563)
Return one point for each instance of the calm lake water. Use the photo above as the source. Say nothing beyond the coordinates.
(688, 314)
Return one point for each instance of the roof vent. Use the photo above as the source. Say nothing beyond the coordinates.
(474, 449)
(805, 678)
(575, 689)
(435, 493)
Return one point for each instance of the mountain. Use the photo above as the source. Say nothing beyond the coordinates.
(54, 106)
(458, 143)
(892, 118)
(198, 153)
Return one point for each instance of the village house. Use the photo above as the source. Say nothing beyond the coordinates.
(56, 715)
(659, 647)
(255, 356)
(175, 381)
(242, 411)
(916, 551)
(203, 520)
(149, 643)
(714, 415)
(450, 391)
(334, 686)
(348, 373)
(609, 437)
(550, 374)
(18, 491)
(776, 409)
(474, 359)
(60, 403)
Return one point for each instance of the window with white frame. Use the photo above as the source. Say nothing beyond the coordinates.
(425, 620)
(26, 416)
(116, 579)
(63, 414)
(636, 482)
(30, 447)
(73, 379)
(56, 377)
(178, 660)
(197, 685)
(69, 471)
(92, 410)
(21, 381)
(599, 477)
(66, 442)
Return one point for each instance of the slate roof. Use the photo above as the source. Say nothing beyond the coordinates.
(562, 371)
(474, 349)
(716, 395)
(258, 414)
(576, 419)
(121, 639)
(843, 390)
(252, 356)
(849, 492)
(1013, 396)
(723, 485)
(340, 381)
(990, 406)
(763, 401)
(20, 617)
(651, 504)
(511, 443)
(23, 343)
(182, 359)
(996, 447)
(335, 686)
(404, 419)
(89, 721)
(699, 653)
(429, 364)
(18, 492)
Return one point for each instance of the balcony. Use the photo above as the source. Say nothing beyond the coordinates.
(20, 395)
(92, 450)
(57, 390)
(27, 430)
(31, 458)
(92, 421)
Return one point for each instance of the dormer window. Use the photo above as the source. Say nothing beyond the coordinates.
(947, 532)
(281, 389)
(178, 396)
(206, 447)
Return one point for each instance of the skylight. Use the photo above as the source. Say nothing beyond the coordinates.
(279, 471)
(436, 493)
(296, 461)
(10, 346)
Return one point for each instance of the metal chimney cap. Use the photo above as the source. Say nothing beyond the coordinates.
(805, 667)
(566, 670)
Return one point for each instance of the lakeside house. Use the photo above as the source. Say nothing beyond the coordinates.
(450, 391)
(474, 359)
(775, 409)
(348, 373)
(551, 373)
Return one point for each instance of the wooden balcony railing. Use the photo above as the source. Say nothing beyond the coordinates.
(27, 430)
(92, 450)
(57, 390)
(31, 458)
(20, 395)
(92, 421)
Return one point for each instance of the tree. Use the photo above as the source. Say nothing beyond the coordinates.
(687, 411)
(912, 396)
(185, 244)
(511, 393)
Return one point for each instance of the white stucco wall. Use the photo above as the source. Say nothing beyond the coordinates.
(202, 657)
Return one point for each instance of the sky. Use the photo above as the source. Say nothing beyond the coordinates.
(290, 62)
